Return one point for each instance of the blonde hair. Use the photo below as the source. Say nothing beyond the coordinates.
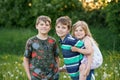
(84, 26)
(65, 20)
(44, 19)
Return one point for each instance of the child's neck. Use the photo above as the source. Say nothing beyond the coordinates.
(42, 36)
(63, 37)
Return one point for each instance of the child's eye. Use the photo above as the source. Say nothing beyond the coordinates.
(76, 30)
(57, 26)
(41, 24)
(63, 27)
(47, 24)
(80, 30)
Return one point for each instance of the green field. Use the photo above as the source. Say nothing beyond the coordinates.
(12, 43)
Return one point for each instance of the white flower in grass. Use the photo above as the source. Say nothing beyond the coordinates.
(118, 74)
(4, 64)
(96, 74)
(116, 71)
(109, 75)
(16, 67)
(21, 73)
(9, 72)
(106, 65)
(17, 71)
(104, 68)
(16, 77)
(12, 75)
(16, 62)
(68, 76)
(4, 75)
(116, 68)
(105, 75)
(64, 76)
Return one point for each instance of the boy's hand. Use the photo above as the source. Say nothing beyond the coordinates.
(62, 69)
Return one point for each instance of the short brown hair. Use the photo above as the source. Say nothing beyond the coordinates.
(44, 19)
(65, 20)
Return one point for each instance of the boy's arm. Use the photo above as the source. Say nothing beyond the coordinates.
(57, 60)
(26, 66)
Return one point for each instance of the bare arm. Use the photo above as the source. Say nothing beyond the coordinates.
(58, 61)
(26, 66)
(88, 47)
(88, 52)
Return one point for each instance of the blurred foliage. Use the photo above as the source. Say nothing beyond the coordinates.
(23, 13)
(113, 20)
(113, 16)
(14, 13)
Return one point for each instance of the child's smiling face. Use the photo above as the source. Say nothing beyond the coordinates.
(62, 30)
(43, 27)
(79, 33)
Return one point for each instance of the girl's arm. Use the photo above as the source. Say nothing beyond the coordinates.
(88, 47)
(88, 51)
(26, 66)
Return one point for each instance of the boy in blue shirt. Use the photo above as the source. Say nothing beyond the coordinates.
(72, 60)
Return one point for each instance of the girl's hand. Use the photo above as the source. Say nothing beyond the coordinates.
(87, 71)
(74, 49)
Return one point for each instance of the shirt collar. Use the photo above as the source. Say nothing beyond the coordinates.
(63, 41)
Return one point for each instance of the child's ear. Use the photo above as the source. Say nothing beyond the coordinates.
(36, 26)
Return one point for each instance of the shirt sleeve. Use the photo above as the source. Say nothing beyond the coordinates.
(56, 50)
(28, 49)
(79, 44)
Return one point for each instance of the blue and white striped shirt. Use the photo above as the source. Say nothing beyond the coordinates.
(72, 60)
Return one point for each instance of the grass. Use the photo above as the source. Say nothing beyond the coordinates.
(12, 48)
